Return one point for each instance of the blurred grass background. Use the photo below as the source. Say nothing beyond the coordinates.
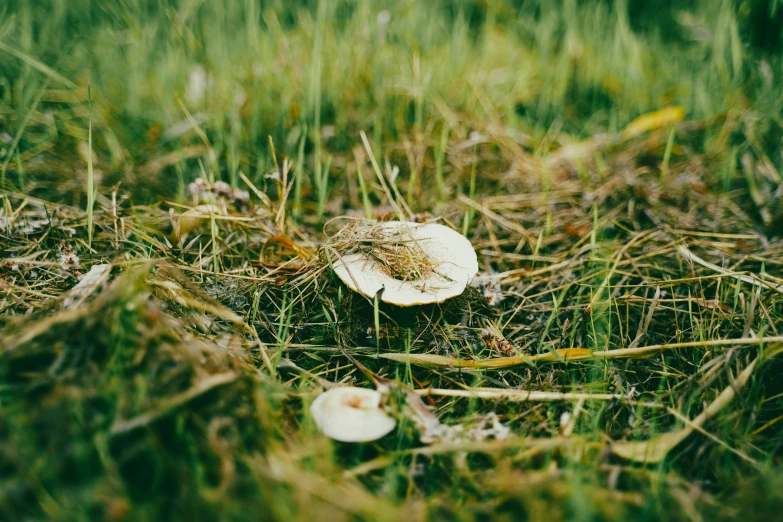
(325, 70)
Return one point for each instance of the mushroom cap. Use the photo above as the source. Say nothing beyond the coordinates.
(451, 255)
(351, 414)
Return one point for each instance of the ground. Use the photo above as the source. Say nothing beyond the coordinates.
(176, 181)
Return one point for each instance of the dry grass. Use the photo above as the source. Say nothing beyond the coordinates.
(396, 251)
(158, 354)
(646, 305)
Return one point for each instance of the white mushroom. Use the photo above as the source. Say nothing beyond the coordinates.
(351, 414)
(441, 262)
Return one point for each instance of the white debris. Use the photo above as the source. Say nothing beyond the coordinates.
(90, 282)
(431, 430)
(489, 286)
(68, 258)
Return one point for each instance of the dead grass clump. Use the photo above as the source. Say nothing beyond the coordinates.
(395, 249)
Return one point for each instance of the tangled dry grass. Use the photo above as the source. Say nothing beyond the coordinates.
(396, 251)
(639, 322)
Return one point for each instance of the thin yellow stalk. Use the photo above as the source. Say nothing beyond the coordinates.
(567, 354)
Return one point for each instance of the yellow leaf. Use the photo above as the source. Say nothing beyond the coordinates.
(653, 120)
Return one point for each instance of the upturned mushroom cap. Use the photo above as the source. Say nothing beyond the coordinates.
(351, 414)
(452, 263)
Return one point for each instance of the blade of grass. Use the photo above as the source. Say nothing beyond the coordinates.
(299, 175)
(666, 156)
(20, 131)
(323, 186)
(440, 156)
(35, 64)
(467, 217)
(365, 195)
(90, 174)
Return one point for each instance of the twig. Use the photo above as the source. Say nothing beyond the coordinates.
(566, 354)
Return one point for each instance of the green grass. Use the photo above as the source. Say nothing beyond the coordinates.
(634, 357)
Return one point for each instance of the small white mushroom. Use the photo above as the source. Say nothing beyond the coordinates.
(351, 414)
(448, 258)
